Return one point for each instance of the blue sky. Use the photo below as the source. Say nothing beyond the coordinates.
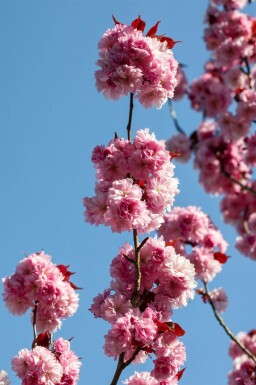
(51, 117)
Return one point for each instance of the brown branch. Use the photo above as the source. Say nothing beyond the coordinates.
(243, 187)
(225, 327)
(34, 323)
(129, 125)
(121, 365)
(174, 118)
(248, 73)
(135, 294)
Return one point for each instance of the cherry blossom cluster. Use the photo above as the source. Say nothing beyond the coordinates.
(167, 282)
(225, 147)
(239, 210)
(193, 235)
(44, 287)
(38, 281)
(134, 188)
(132, 63)
(244, 370)
(135, 184)
(216, 157)
(229, 33)
(4, 379)
(59, 366)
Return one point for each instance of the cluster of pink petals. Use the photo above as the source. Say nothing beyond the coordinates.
(182, 84)
(145, 378)
(243, 371)
(45, 367)
(141, 332)
(4, 380)
(239, 210)
(229, 35)
(132, 63)
(215, 156)
(135, 184)
(180, 146)
(219, 299)
(210, 95)
(38, 281)
(195, 236)
(167, 282)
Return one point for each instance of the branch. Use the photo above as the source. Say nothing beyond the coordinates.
(121, 365)
(248, 73)
(243, 187)
(34, 323)
(129, 125)
(135, 294)
(225, 327)
(174, 118)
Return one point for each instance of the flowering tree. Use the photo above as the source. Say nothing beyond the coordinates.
(152, 275)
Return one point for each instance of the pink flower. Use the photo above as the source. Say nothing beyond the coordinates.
(247, 245)
(132, 63)
(38, 280)
(143, 378)
(180, 144)
(4, 380)
(220, 299)
(38, 366)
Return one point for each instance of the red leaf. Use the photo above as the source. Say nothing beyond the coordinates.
(148, 349)
(74, 286)
(172, 243)
(115, 21)
(173, 327)
(43, 339)
(64, 270)
(220, 257)
(174, 154)
(162, 327)
(170, 42)
(138, 24)
(176, 329)
(254, 28)
(180, 373)
(153, 30)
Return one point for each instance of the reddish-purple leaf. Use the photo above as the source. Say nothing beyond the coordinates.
(220, 257)
(138, 24)
(152, 31)
(180, 373)
(115, 21)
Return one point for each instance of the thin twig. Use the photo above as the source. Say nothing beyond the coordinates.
(129, 125)
(121, 365)
(34, 324)
(174, 118)
(248, 73)
(135, 294)
(243, 187)
(225, 327)
(142, 243)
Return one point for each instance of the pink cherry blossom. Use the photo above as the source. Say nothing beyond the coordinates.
(132, 63)
(38, 281)
(219, 299)
(37, 366)
(180, 144)
(136, 193)
(4, 380)
(143, 378)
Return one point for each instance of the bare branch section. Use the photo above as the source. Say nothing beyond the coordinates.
(225, 327)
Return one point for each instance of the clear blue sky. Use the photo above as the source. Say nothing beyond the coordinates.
(51, 117)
